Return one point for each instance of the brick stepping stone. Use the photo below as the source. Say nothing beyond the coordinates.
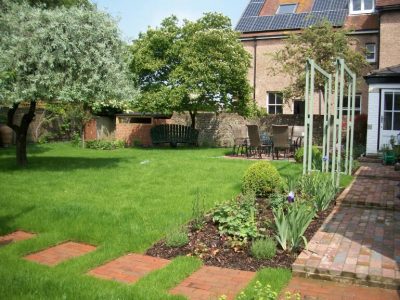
(328, 290)
(129, 268)
(57, 254)
(16, 236)
(212, 282)
(378, 171)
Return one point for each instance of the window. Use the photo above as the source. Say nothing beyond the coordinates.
(275, 103)
(391, 111)
(286, 9)
(299, 107)
(362, 6)
(370, 50)
(357, 110)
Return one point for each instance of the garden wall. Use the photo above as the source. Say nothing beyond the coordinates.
(216, 129)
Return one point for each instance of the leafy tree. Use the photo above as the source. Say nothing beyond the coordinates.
(71, 55)
(57, 3)
(323, 44)
(198, 66)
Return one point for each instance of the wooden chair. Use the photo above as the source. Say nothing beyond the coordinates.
(255, 146)
(239, 139)
(280, 138)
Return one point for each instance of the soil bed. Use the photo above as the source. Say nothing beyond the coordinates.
(216, 250)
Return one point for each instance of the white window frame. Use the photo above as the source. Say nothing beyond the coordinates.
(274, 104)
(371, 60)
(287, 4)
(362, 10)
(357, 109)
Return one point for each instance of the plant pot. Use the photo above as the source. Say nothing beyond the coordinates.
(388, 157)
(6, 136)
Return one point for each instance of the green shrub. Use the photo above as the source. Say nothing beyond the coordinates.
(263, 248)
(104, 145)
(316, 157)
(237, 218)
(319, 188)
(177, 238)
(292, 224)
(76, 139)
(262, 178)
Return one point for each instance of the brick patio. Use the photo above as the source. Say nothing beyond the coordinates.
(57, 254)
(359, 244)
(212, 282)
(328, 290)
(16, 236)
(129, 268)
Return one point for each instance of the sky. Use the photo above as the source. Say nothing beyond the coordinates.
(135, 16)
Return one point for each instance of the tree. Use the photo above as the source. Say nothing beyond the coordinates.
(323, 44)
(56, 3)
(199, 66)
(71, 55)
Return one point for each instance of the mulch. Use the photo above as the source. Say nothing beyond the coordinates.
(216, 250)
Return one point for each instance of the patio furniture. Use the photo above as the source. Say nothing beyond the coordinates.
(280, 138)
(255, 145)
(239, 139)
(174, 134)
(296, 137)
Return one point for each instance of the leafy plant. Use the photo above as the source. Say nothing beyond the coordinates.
(263, 248)
(105, 145)
(177, 238)
(262, 178)
(237, 218)
(292, 224)
(277, 200)
(198, 211)
(264, 293)
(319, 187)
(316, 157)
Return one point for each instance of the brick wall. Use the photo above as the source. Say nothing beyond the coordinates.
(390, 39)
(90, 130)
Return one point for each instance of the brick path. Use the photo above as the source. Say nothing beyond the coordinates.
(57, 254)
(212, 282)
(129, 268)
(327, 290)
(359, 244)
(15, 237)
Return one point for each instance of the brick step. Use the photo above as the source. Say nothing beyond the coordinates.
(374, 159)
(15, 236)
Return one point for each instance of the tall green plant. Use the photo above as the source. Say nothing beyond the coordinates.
(291, 225)
(320, 188)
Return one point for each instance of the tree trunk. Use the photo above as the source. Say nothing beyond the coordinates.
(21, 131)
(193, 119)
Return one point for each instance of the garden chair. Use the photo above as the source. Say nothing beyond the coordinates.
(255, 146)
(239, 139)
(280, 139)
(296, 138)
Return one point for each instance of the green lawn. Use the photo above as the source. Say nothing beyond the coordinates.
(121, 201)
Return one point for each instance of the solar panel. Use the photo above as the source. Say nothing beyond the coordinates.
(253, 9)
(339, 4)
(262, 22)
(246, 24)
(321, 5)
(297, 21)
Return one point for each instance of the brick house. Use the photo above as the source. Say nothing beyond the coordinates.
(265, 24)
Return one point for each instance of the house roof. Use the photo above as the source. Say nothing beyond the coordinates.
(384, 4)
(386, 75)
(259, 15)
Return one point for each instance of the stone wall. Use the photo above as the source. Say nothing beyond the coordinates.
(216, 129)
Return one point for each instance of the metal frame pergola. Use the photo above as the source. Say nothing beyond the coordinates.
(345, 79)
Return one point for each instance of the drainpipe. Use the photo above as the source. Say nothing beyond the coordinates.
(254, 69)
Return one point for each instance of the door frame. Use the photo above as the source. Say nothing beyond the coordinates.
(381, 135)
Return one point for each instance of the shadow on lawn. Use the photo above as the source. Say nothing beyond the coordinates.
(7, 221)
(32, 149)
(56, 163)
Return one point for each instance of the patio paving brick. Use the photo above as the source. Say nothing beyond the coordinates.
(212, 282)
(359, 242)
(15, 236)
(328, 290)
(129, 268)
(57, 254)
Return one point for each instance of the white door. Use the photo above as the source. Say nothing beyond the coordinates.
(390, 116)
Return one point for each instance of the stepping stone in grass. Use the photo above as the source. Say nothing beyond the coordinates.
(57, 254)
(212, 282)
(129, 268)
(16, 236)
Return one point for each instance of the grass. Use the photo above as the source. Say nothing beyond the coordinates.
(121, 201)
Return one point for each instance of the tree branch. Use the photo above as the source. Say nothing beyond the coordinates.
(10, 117)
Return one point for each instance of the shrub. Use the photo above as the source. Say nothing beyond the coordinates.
(177, 238)
(262, 178)
(320, 188)
(292, 224)
(104, 145)
(316, 157)
(237, 218)
(263, 248)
